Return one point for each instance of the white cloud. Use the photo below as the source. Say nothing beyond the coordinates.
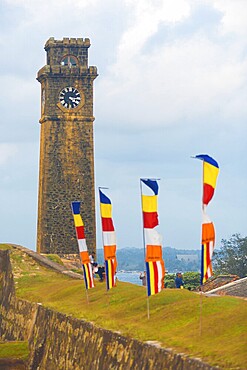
(234, 16)
(7, 152)
(188, 78)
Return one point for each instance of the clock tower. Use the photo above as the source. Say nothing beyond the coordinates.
(66, 171)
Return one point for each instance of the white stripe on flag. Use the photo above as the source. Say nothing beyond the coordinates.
(211, 249)
(109, 238)
(160, 276)
(91, 274)
(82, 245)
(152, 237)
(205, 218)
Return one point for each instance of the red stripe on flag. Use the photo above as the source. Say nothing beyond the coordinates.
(113, 273)
(208, 192)
(107, 224)
(150, 220)
(155, 277)
(80, 232)
(207, 255)
(89, 276)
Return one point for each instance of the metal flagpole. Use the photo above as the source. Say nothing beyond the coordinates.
(202, 255)
(201, 279)
(144, 251)
(103, 187)
(87, 296)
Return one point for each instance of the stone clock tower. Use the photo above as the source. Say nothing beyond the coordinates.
(66, 171)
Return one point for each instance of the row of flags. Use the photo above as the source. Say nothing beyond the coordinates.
(154, 263)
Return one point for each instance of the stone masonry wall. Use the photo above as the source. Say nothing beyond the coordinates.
(16, 315)
(236, 288)
(60, 342)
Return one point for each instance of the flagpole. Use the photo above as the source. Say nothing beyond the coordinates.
(202, 256)
(87, 296)
(102, 187)
(144, 250)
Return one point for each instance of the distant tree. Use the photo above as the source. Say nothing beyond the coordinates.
(191, 279)
(170, 280)
(232, 256)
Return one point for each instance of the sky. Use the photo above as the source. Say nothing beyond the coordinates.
(172, 84)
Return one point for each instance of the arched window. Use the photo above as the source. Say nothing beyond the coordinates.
(69, 61)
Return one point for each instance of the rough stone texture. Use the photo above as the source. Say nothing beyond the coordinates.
(236, 288)
(85, 346)
(16, 315)
(217, 281)
(66, 149)
(12, 364)
(7, 288)
(60, 342)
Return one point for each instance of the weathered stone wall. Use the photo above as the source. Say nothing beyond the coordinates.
(60, 342)
(12, 364)
(16, 315)
(66, 149)
(68, 343)
(236, 288)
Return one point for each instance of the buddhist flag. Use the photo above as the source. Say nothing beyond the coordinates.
(210, 175)
(79, 227)
(155, 268)
(208, 240)
(109, 240)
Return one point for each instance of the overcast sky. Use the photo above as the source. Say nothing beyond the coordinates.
(172, 83)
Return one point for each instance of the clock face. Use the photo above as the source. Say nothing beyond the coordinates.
(70, 97)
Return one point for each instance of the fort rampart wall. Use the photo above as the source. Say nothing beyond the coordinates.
(57, 341)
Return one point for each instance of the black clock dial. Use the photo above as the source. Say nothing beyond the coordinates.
(70, 97)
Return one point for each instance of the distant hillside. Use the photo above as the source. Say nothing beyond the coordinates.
(131, 259)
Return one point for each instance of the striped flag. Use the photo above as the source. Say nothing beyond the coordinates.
(109, 240)
(210, 175)
(79, 227)
(208, 240)
(155, 268)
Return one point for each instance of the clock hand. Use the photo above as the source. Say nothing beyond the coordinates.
(72, 99)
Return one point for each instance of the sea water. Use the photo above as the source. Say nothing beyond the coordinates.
(132, 277)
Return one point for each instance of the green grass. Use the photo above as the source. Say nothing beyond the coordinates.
(14, 350)
(174, 314)
(54, 258)
(5, 246)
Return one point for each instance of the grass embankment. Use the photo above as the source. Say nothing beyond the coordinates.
(14, 350)
(174, 314)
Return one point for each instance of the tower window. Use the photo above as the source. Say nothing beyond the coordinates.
(69, 61)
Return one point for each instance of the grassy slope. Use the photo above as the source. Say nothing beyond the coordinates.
(174, 314)
(16, 350)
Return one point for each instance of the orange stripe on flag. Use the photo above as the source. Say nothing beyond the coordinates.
(110, 254)
(153, 253)
(208, 233)
(84, 257)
